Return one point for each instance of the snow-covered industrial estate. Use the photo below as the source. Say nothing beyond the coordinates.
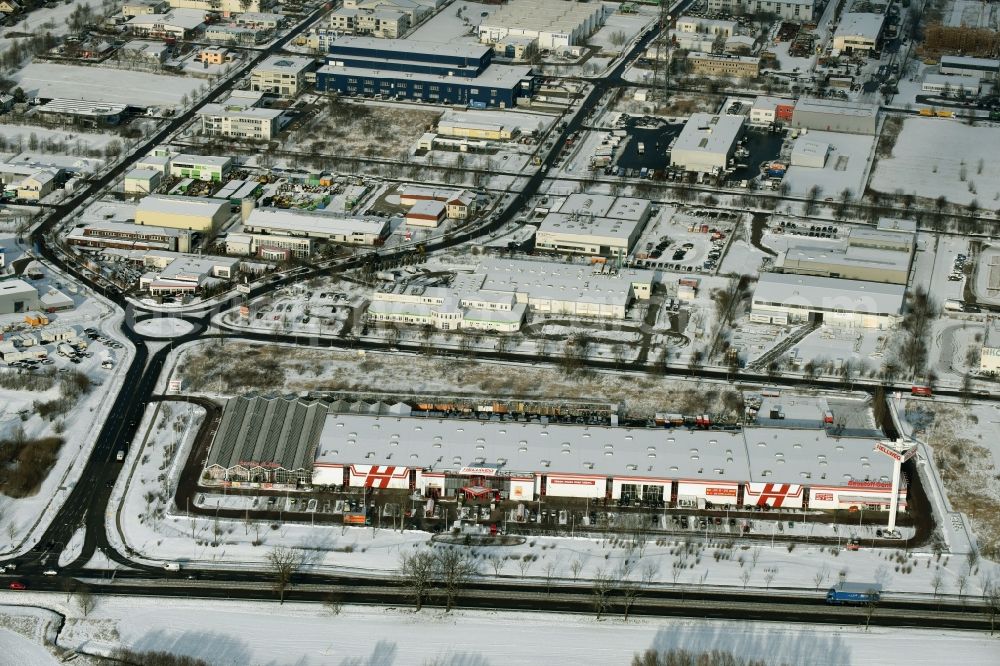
(591, 331)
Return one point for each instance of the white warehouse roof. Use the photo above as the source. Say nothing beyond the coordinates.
(285, 64)
(550, 280)
(296, 221)
(180, 205)
(860, 24)
(812, 105)
(781, 455)
(830, 293)
(709, 133)
(413, 46)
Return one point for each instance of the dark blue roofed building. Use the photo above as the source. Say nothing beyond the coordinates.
(404, 69)
(464, 60)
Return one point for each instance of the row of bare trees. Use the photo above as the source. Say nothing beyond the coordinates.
(442, 571)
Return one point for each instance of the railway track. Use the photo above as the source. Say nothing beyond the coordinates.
(579, 599)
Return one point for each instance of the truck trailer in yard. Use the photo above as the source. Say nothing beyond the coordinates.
(854, 593)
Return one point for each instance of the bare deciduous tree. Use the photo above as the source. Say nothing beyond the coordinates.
(870, 605)
(417, 573)
(937, 582)
(821, 575)
(497, 561)
(769, 575)
(454, 568)
(283, 563)
(991, 595)
(601, 589)
(84, 599)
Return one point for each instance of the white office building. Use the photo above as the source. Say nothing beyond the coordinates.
(240, 117)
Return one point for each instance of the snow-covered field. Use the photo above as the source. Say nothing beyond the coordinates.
(623, 27)
(959, 435)
(163, 327)
(20, 650)
(98, 84)
(940, 157)
(75, 141)
(234, 633)
(44, 20)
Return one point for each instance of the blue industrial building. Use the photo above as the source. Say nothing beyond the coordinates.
(404, 69)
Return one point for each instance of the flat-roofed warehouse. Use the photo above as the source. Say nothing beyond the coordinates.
(266, 440)
(874, 255)
(594, 224)
(829, 115)
(706, 142)
(554, 24)
(782, 298)
(592, 290)
(859, 32)
(178, 212)
(986, 68)
(328, 226)
(777, 467)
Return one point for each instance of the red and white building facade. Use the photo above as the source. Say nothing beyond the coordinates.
(796, 469)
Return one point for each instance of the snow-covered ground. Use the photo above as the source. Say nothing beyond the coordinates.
(22, 518)
(234, 633)
(17, 649)
(73, 548)
(98, 84)
(75, 141)
(163, 327)
(622, 28)
(942, 157)
(26, 633)
(742, 258)
(44, 20)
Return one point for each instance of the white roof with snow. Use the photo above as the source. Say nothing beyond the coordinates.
(860, 24)
(780, 455)
(180, 205)
(830, 294)
(185, 19)
(296, 221)
(414, 46)
(284, 64)
(709, 133)
(812, 105)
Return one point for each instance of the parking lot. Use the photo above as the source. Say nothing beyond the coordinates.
(684, 239)
(75, 353)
